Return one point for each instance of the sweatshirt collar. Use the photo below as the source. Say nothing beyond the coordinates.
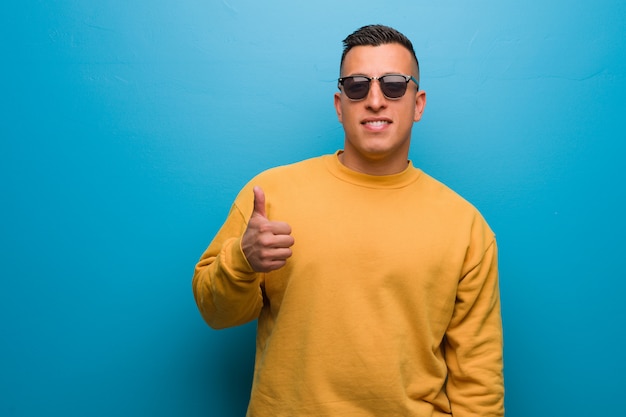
(399, 180)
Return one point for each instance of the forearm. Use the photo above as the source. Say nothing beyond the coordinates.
(474, 344)
(226, 289)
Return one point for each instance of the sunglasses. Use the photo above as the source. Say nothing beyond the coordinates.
(393, 86)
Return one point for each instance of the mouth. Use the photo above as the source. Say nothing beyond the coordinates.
(376, 124)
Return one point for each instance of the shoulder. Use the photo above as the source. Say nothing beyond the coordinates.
(284, 179)
(451, 206)
(283, 172)
(441, 194)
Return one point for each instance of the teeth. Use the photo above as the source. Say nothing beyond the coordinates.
(377, 123)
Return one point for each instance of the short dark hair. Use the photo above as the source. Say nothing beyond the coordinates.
(376, 35)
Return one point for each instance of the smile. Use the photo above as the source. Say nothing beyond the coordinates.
(377, 123)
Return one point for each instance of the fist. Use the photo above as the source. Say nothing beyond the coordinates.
(266, 244)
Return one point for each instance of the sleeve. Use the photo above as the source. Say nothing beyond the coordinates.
(475, 385)
(226, 288)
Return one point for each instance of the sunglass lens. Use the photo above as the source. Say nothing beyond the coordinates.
(393, 86)
(356, 88)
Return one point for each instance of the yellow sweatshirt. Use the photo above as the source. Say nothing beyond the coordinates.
(389, 305)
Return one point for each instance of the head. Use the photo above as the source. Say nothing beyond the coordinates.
(378, 100)
(376, 35)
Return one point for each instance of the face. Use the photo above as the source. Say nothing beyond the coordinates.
(378, 129)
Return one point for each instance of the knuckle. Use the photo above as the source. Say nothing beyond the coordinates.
(264, 227)
(264, 240)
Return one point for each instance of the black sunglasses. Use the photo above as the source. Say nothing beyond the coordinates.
(393, 86)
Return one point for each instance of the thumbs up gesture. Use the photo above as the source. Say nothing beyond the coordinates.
(266, 244)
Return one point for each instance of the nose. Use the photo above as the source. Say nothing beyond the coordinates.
(375, 99)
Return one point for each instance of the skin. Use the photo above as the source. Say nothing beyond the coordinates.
(266, 244)
(370, 148)
(379, 149)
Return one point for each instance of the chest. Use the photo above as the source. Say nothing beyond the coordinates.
(375, 248)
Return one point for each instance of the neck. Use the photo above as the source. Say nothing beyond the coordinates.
(378, 167)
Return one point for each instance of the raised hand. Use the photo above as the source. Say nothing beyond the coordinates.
(265, 243)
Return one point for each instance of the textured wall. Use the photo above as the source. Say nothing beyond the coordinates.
(127, 128)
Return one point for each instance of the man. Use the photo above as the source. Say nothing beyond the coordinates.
(375, 286)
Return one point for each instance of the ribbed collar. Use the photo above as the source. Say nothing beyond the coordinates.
(399, 180)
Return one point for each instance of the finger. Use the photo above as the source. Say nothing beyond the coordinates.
(281, 241)
(269, 240)
(277, 254)
(271, 266)
(279, 228)
(271, 259)
(259, 201)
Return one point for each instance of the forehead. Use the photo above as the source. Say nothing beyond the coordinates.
(378, 60)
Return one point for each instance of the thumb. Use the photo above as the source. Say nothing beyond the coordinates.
(259, 201)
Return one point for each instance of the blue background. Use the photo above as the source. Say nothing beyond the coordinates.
(127, 128)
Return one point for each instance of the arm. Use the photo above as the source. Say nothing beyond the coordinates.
(475, 384)
(228, 278)
(226, 288)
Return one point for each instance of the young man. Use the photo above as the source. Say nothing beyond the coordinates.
(375, 286)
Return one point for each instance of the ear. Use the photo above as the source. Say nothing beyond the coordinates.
(338, 106)
(420, 104)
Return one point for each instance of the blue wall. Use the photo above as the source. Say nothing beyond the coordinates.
(127, 129)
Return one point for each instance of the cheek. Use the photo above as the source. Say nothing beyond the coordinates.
(410, 113)
(350, 121)
(346, 116)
